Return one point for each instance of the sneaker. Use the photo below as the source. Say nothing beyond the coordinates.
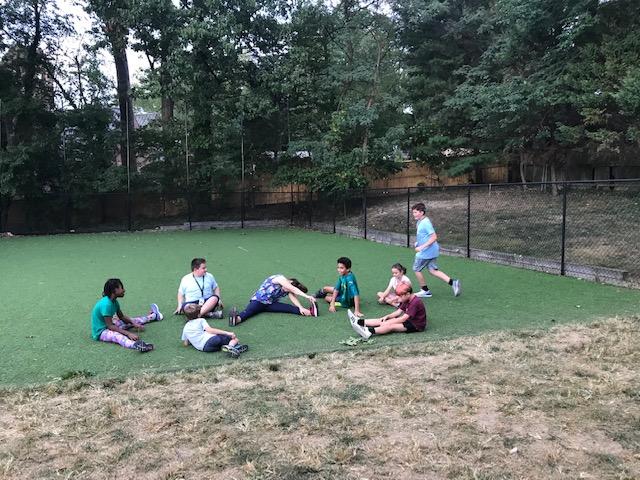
(142, 346)
(362, 331)
(156, 311)
(241, 348)
(424, 294)
(232, 351)
(457, 288)
(352, 317)
(313, 308)
(218, 315)
(320, 294)
(233, 317)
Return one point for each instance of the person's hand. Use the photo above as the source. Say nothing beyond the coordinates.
(358, 313)
(305, 311)
(178, 311)
(311, 298)
(232, 335)
(332, 308)
(417, 249)
(138, 326)
(384, 319)
(132, 336)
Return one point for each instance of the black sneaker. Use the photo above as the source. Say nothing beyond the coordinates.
(142, 346)
(232, 351)
(241, 348)
(233, 317)
(320, 294)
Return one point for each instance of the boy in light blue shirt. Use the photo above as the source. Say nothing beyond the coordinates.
(427, 251)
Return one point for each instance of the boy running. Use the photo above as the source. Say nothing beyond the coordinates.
(427, 251)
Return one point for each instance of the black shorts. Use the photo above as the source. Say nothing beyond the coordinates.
(411, 328)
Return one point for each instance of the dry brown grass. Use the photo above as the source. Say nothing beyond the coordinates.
(558, 404)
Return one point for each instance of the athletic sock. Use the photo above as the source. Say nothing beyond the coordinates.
(450, 281)
(361, 322)
(425, 288)
(372, 330)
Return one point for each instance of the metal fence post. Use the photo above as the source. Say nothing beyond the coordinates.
(468, 221)
(310, 201)
(129, 211)
(564, 228)
(334, 212)
(408, 216)
(242, 207)
(67, 212)
(364, 209)
(292, 206)
(189, 209)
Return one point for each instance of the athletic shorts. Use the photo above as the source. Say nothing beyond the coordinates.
(411, 328)
(216, 342)
(419, 264)
(197, 302)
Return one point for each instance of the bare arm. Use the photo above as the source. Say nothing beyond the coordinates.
(432, 239)
(180, 302)
(356, 304)
(394, 314)
(110, 326)
(217, 331)
(286, 285)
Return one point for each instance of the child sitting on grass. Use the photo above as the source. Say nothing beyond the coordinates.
(109, 324)
(398, 276)
(410, 317)
(198, 333)
(345, 293)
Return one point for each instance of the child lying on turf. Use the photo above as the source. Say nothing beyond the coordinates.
(410, 317)
(198, 333)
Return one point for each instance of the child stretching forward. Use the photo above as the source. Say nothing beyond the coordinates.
(198, 333)
(410, 317)
(398, 276)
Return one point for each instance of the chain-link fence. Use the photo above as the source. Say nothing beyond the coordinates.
(585, 229)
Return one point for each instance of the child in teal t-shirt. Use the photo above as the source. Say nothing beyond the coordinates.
(345, 293)
(109, 324)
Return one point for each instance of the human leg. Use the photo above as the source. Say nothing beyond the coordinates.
(452, 282)
(388, 327)
(278, 307)
(254, 307)
(216, 342)
(210, 305)
(116, 337)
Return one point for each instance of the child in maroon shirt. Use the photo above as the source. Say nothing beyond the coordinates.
(410, 317)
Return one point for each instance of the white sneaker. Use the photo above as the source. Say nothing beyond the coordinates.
(156, 311)
(424, 294)
(362, 331)
(457, 288)
(352, 317)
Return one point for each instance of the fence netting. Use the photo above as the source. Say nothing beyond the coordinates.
(586, 229)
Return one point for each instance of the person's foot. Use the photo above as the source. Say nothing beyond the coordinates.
(156, 311)
(320, 294)
(313, 308)
(352, 317)
(232, 351)
(424, 294)
(142, 346)
(218, 314)
(241, 348)
(360, 330)
(233, 317)
(457, 288)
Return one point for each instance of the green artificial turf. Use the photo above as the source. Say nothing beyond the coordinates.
(49, 286)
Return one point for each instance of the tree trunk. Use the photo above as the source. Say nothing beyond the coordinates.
(119, 52)
(554, 186)
(167, 101)
(523, 178)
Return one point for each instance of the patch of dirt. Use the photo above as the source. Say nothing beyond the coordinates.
(548, 404)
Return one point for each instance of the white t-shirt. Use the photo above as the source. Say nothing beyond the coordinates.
(394, 282)
(194, 332)
(195, 288)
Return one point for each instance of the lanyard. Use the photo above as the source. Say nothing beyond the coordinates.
(200, 287)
